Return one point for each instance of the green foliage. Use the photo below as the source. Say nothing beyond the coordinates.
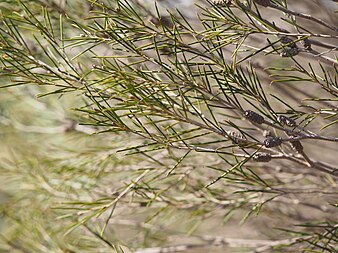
(229, 117)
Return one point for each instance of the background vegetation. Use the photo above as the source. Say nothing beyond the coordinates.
(127, 127)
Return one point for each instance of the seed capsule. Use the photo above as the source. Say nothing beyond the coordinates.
(286, 121)
(222, 2)
(289, 43)
(162, 21)
(297, 145)
(262, 157)
(289, 51)
(273, 142)
(253, 116)
(236, 137)
(307, 44)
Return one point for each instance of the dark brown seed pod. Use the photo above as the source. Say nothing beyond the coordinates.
(297, 145)
(264, 3)
(253, 116)
(289, 51)
(222, 2)
(307, 44)
(262, 157)
(236, 137)
(273, 142)
(162, 21)
(289, 43)
(286, 40)
(286, 121)
(142, 204)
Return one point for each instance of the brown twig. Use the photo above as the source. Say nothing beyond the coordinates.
(301, 15)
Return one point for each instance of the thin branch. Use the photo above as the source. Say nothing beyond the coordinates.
(301, 15)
